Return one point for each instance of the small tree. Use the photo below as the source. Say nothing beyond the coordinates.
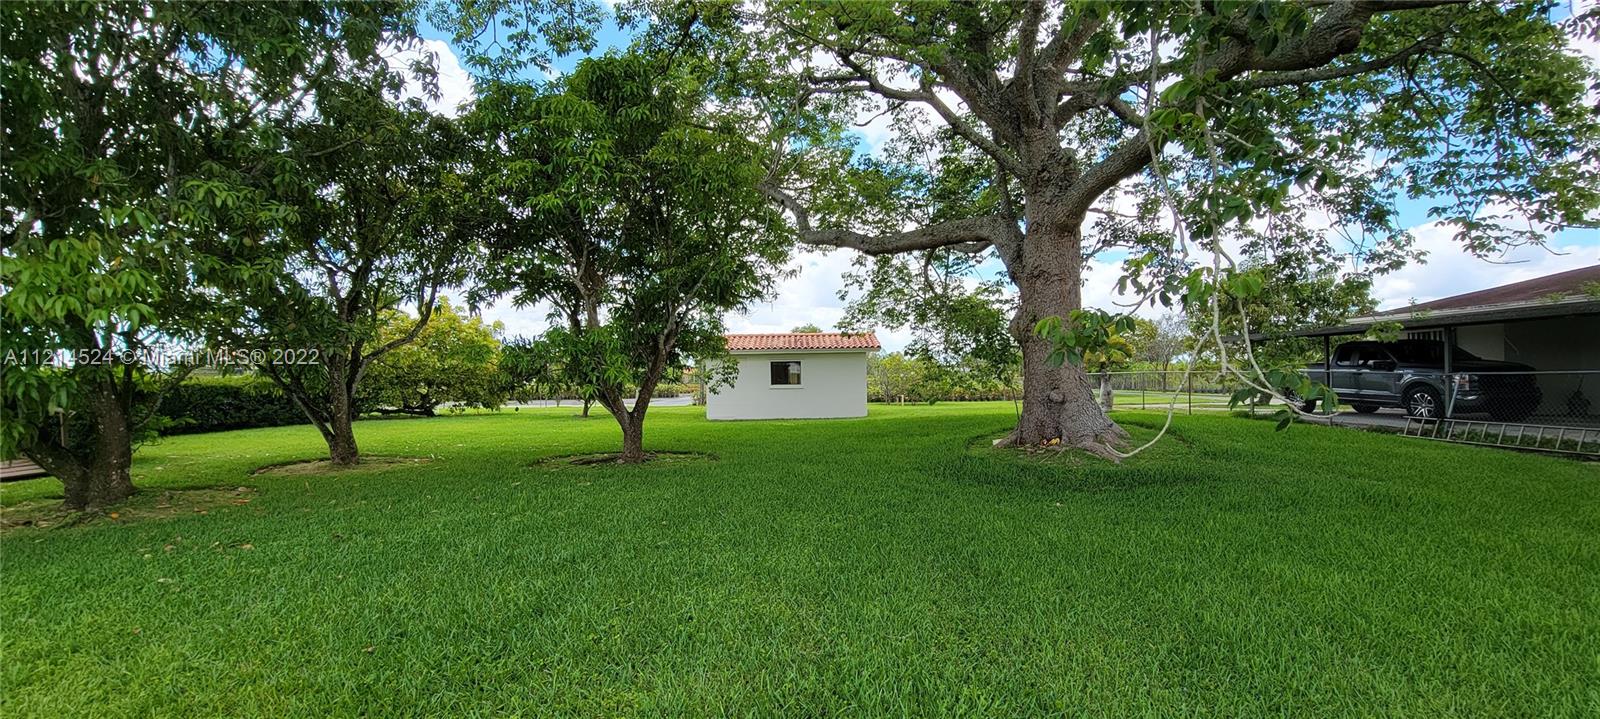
(631, 208)
(454, 359)
(533, 369)
(807, 328)
(377, 220)
(1300, 289)
(1158, 342)
(891, 376)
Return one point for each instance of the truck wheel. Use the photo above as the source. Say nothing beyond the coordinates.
(1423, 402)
(1364, 408)
(1305, 405)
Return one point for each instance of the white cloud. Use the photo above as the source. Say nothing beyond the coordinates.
(455, 85)
(517, 322)
(811, 296)
(1100, 289)
(1449, 270)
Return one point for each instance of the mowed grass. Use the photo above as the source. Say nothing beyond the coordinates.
(890, 566)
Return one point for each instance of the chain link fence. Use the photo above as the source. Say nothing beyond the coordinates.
(1565, 398)
(1198, 391)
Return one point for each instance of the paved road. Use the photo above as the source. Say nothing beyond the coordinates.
(1390, 419)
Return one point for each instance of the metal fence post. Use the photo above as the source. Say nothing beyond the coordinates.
(1190, 393)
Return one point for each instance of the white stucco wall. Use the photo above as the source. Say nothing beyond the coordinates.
(833, 384)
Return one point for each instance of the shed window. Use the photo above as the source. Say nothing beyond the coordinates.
(785, 373)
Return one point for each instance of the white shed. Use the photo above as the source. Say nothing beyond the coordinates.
(795, 375)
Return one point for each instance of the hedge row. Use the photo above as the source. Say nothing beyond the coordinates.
(213, 404)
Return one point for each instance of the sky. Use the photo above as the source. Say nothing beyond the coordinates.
(812, 295)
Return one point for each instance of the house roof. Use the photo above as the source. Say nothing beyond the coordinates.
(791, 341)
(1564, 294)
(1546, 288)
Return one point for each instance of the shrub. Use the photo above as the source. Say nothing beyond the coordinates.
(212, 404)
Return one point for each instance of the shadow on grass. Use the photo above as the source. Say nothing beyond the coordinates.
(1164, 464)
(315, 467)
(143, 506)
(614, 459)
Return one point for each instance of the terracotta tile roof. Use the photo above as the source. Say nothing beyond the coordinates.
(1562, 283)
(802, 341)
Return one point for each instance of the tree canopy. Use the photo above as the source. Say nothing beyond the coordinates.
(1181, 130)
(375, 214)
(630, 207)
(122, 121)
(455, 359)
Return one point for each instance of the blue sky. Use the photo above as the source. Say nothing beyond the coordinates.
(811, 296)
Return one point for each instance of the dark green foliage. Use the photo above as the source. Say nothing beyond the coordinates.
(375, 214)
(212, 404)
(504, 38)
(629, 203)
(453, 360)
(125, 124)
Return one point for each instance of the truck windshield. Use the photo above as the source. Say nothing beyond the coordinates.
(1425, 352)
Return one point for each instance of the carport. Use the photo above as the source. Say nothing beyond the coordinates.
(1551, 324)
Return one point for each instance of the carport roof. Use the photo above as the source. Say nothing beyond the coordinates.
(1564, 294)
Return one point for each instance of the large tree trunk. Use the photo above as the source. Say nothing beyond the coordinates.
(1058, 402)
(107, 479)
(102, 477)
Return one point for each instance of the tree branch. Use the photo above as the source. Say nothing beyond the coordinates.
(1127, 158)
(971, 235)
(1027, 39)
(928, 97)
(1066, 46)
(1321, 74)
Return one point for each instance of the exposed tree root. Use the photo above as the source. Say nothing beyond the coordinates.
(1102, 444)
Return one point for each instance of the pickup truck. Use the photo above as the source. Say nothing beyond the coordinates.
(1409, 374)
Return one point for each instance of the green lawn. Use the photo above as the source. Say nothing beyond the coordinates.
(886, 566)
